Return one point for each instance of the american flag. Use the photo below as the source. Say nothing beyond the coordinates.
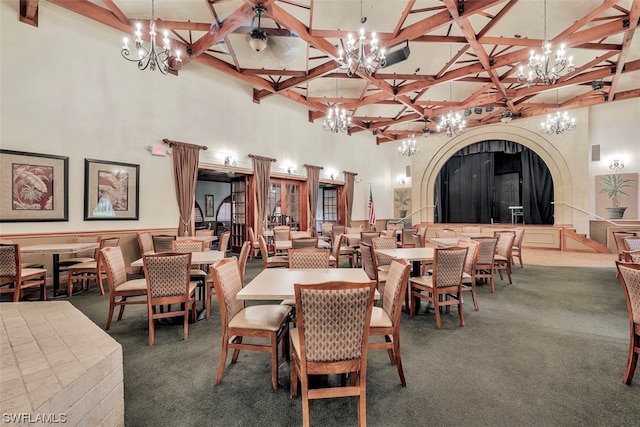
(372, 209)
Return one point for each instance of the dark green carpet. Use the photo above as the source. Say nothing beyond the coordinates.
(548, 350)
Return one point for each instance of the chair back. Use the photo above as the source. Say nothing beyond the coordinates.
(163, 243)
(631, 256)
(326, 228)
(382, 243)
(9, 262)
(422, 236)
(338, 241)
(629, 275)
(617, 237)
(226, 276)
(339, 229)
(280, 235)
(264, 253)
(299, 234)
(224, 241)
(395, 288)
(242, 258)
(472, 255)
(187, 246)
(448, 265)
(205, 232)
(487, 250)
(304, 242)
(472, 229)
(109, 242)
(145, 242)
(352, 230)
(505, 243)
(446, 233)
(333, 320)
(252, 235)
(114, 266)
(86, 238)
(367, 261)
(517, 241)
(308, 258)
(407, 236)
(168, 275)
(366, 236)
(631, 243)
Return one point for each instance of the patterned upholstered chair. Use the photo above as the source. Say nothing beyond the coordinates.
(184, 246)
(299, 234)
(90, 270)
(369, 266)
(340, 250)
(516, 251)
(448, 265)
(242, 258)
(163, 243)
(629, 275)
(223, 244)
(271, 261)
(122, 292)
(446, 233)
(14, 279)
(255, 245)
(504, 247)
(618, 236)
(484, 263)
(304, 242)
(320, 346)
(631, 243)
(385, 320)
(470, 265)
(631, 256)
(168, 282)
(382, 262)
(23, 264)
(145, 243)
(407, 237)
(84, 255)
(308, 258)
(281, 234)
(268, 322)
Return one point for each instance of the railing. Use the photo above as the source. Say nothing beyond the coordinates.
(586, 212)
(411, 214)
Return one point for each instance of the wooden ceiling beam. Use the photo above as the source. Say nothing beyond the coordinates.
(29, 12)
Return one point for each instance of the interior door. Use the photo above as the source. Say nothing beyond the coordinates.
(239, 213)
(508, 194)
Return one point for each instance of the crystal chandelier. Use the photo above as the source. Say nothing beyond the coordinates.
(541, 71)
(337, 119)
(408, 148)
(361, 55)
(451, 124)
(558, 123)
(152, 57)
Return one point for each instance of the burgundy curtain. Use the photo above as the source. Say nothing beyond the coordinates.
(349, 179)
(313, 187)
(262, 177)
(185, 168)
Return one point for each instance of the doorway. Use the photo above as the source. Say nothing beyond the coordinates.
(508, 194)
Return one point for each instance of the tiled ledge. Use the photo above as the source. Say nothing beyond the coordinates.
(57, 365)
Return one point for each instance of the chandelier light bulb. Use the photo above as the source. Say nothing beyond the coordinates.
(337, 120)
(451, 124)
(558, 123)
(408, 148)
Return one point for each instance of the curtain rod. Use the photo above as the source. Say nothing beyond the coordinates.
(312, 166)
(186, 144)
(253, 156)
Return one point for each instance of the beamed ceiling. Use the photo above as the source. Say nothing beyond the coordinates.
(464, 53)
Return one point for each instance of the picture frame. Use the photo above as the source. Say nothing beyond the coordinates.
(39, 189)
(111, 190)
(209, 210)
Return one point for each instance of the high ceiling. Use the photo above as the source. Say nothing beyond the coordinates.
(464, 54)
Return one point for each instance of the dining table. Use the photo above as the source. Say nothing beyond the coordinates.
(55, 250)
(277, 283)
(284, 245)
(197, 258)
(445, 242)
(475, 234)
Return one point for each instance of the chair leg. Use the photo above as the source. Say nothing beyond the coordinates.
(474, 295)
(100, 279)
(305, 400)
(223, 357)
(152, 330)
(460, 312)
(362, 408)
(398, 359)
(112, 306)
(274, 361)
(632, 360)
(436, 309)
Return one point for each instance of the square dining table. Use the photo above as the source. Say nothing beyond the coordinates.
(277, 283)
(55, 249)
(197, 258)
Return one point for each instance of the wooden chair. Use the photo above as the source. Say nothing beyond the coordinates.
(631, 256)
(407, 237)
(472, 229)
(88, 270)
(145, 242)
(448, 266)
(629, 275)
(365, 237)
(281, 234)
(382, 262)
(338, 346)
(420, 237)
(23, 264)
(304, 242)
(484, 263)
(255, 245)
(271, 261)
(630, 243)
(162, 243)
(446, 233)
(14, 279)
(242, 258)
(470, 265)
(299, 234)
(385, 320)
(340, 250)
(369, 266)
(83, 255)
(237, 321)
(309, 258)
(121, 289)
(168, 282)
(223, 243)
(618, 236)
(516, 250)
(186, 246)
(502, 259)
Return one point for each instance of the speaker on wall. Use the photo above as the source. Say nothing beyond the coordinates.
(407, 171)
(595, 153)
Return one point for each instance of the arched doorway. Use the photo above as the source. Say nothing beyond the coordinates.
(481, 181)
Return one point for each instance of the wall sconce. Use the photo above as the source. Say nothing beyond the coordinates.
(401, 180)
(158, 150)
(616, 165)
(230, 161)
(291, 169)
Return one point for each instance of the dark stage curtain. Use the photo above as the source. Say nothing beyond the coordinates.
(465, 193)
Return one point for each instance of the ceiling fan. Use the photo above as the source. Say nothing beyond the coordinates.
(258, 36)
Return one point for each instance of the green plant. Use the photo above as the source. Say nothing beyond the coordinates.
(613, 185)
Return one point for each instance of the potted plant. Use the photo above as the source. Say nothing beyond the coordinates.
(614, 185)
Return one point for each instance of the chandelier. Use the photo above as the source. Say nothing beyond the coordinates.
(408, 148)
(361, 55)
(541, 70)
(451, 124)
(152, 57)
(558, 123)
(337, 119)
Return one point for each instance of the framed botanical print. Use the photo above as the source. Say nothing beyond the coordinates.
(209, 210)
(35, 187)
(110, 190)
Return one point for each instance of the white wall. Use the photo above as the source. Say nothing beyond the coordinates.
(66, 90)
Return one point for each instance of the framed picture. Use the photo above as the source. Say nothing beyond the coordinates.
(39, 189)
(401, 202)
(208, 208)
(110, 190)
